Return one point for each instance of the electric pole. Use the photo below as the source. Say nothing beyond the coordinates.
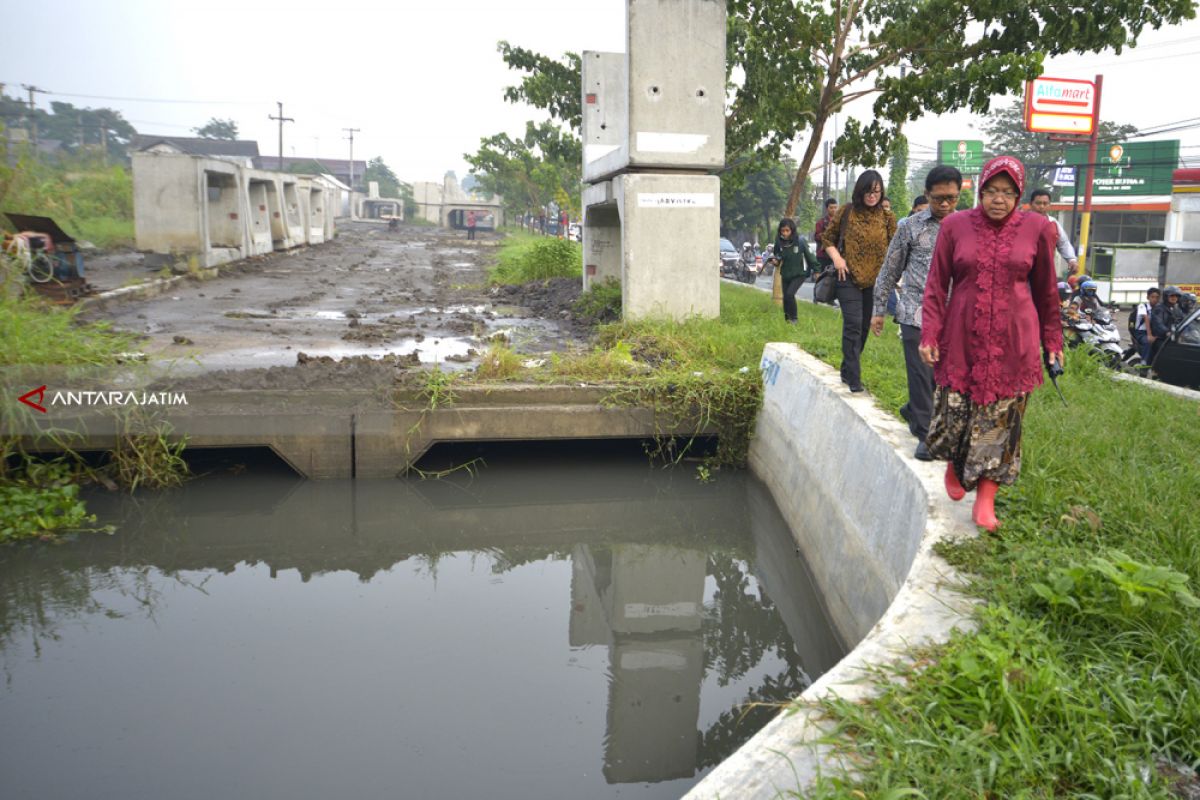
(282, 119)
(351, 131)
(32, 119)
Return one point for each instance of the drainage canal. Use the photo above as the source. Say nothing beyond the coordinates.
(563, 622)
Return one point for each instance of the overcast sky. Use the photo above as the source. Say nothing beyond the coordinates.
(422, 80)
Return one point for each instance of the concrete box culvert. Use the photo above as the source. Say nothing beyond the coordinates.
(865, 515)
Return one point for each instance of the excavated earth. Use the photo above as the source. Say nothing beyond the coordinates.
(360, 310)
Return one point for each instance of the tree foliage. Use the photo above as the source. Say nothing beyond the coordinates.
(1005, 132)
(80, 130)
(381, 173)
(804, 61)
(218, 129)
(543, 165)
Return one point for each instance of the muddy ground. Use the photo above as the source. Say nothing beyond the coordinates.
(362, 307)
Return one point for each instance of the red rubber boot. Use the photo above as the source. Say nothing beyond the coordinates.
(984, 512)
(953, 487)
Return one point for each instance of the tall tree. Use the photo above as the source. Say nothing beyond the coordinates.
(381, 173)
(804, 60)
(533, 170)
(752, 205)
(218, 129)
(1005, 132)
(82, 131)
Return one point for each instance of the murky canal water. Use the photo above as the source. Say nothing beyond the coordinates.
(553, 627)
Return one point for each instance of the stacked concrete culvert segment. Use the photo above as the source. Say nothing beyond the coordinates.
(653, 137)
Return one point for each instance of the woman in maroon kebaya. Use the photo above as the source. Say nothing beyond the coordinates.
(991, 306)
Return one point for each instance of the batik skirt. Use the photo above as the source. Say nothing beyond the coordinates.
(981, 441)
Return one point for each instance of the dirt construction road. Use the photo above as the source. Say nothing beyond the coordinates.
(416, 295)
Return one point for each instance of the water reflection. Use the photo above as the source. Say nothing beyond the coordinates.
(671, 582)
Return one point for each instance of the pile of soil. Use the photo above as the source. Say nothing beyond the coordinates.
(310, 372)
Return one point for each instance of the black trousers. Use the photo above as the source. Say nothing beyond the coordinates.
(789, 297)
(920, 381)
(856, 305)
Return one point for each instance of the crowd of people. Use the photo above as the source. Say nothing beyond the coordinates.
(976, 299)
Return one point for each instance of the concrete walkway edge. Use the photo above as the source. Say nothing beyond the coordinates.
(866, 516)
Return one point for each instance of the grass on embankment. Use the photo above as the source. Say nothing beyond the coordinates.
(1083, 679)
(525, 257)
(40, 499)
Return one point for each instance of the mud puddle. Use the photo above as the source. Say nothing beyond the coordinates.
(370, 293)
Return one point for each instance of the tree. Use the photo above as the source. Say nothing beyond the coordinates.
(381, 173)
(531, 171)
(804, 61)
(218, 129)
(897, 182)
(82, 131)
(752, 205)
(1005, 132)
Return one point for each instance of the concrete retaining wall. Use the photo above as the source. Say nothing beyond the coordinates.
(865, 515)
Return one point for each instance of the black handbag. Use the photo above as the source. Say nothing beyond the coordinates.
(825, 289)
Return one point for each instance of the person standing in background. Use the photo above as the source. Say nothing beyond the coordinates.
(909, 255)
(1039, 201)
(1142, 335)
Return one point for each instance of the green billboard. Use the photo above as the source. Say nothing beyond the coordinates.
(1127, 168)
(965, 154)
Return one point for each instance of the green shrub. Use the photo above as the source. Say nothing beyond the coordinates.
(601, 302)
(525, 258)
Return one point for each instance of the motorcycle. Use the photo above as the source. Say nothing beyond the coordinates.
(1095, 329)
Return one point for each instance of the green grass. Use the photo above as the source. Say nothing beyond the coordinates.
(524, 257)
(1083, 678)
(106, 232)
(32, 332)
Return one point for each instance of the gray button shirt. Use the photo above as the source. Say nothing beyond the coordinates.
(909, 254)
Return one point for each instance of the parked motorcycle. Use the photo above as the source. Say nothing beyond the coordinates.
(1094, 329)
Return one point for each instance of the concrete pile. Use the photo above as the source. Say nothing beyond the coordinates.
(653, 135)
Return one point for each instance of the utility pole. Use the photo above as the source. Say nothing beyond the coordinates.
(1085, 228)
(32, 119)
(825, 176)
(281, 119)
(351, 131)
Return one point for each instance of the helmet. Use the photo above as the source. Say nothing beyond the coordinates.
(745, 245)
(1088, 287)
(1064, 290)
(1172, 290)
(1073, 280)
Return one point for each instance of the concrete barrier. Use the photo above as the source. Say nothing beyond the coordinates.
(865, 516)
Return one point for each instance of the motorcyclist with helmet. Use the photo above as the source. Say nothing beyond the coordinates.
(1088, 301)
(1164, 318)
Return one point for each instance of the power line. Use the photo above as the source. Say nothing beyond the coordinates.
(160, 100)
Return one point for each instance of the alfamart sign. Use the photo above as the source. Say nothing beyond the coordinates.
(1060, 105)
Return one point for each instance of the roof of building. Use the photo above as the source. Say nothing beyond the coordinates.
(332, 166)
(198, 146)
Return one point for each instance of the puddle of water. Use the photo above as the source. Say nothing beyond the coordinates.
(591, 627)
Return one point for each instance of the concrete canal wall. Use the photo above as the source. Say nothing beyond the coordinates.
(865, 515)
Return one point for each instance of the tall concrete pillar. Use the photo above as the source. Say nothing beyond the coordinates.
(653, 137)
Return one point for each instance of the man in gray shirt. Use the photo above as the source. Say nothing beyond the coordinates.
(1039, 201)
(910, 254)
